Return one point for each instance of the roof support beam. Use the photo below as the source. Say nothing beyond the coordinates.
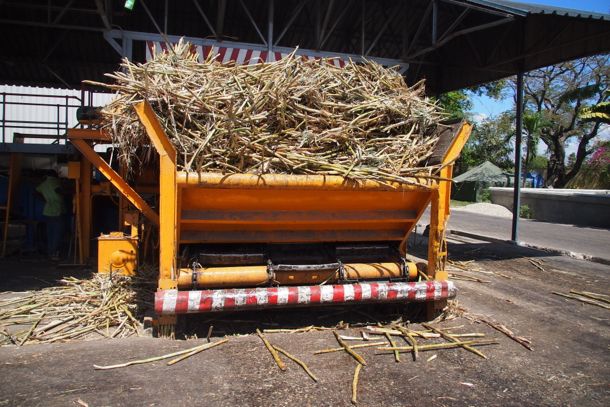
(165, 16)
(115, 45)
(460, 33)
(477, 8)
(297, 10)
(385, 26)
(420, 28)
(56, 75)
(499, 44)
(455, 24)
(205, 18)
(102, 12)
(63, 12)
(258, 31)
(152, 18)
(329, 10)
(334, 26)
(127, 48)
(220, 18)
(270, 25)
(47, 7)
(52, 48)
(52, 25)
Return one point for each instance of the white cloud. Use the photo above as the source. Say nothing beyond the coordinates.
(479, 117)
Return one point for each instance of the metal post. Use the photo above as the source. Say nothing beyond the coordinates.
(517, 184)
(3, 117)
(82, 104)
(165, 18)
(270, 28)
(58, 119)
(66, 121)
(127, 47)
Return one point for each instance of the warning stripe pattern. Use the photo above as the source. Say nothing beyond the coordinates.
(240, 56)
(170, 302)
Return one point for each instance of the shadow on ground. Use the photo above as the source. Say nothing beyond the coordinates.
(246, 322)
(23, 274)
(466, 248)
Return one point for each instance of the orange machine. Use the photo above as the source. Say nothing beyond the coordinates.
(243, 241)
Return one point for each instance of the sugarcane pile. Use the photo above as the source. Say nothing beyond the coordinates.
(291, 116)
(104, 305)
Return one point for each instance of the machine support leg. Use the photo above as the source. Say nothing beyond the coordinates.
(439, 215)
(14, 175)
(168, 216)
(437, 244)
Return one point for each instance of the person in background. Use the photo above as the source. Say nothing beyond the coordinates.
(53, 210)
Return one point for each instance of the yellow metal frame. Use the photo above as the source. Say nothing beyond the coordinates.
(89, 134)
(168, 196)
(117, 253)
(440, 207)
(85, 206)
(228, 207)
(119, 183)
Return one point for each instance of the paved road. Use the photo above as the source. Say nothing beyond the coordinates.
(576, 239)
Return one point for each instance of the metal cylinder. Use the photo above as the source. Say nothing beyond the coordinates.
(252, 276)
(244, 276)
(172, 302)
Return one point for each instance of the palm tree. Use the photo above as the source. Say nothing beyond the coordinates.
(597, 113)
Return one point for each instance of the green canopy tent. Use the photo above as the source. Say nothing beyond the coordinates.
(469, 185)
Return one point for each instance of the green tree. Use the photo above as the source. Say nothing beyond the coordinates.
(532, 125)
(595, 173)
(490, 141)
(558, 94)
(538, 163)
(456, 104)
(597, 113)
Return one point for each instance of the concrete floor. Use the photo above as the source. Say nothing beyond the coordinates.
(570, 363)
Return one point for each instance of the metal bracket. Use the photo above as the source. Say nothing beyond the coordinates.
(303, 267)
(341, 270)
(195, 274)
(271, 273)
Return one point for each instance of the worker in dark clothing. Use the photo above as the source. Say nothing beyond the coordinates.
(53, 210)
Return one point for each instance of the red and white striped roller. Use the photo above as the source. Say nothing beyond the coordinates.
(170, 302)
(241, 56)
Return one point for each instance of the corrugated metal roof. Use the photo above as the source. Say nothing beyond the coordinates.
(494, 39)
(524, 9)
